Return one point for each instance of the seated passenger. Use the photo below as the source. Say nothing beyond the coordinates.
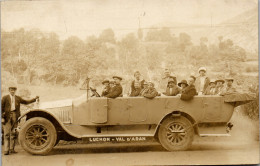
(144, 89)
(117, 89)
(219, 86)
(229, 89)
(106, 88)
(137, 84)
(183, 84)
(111, 84)
(150, 92)
(172, 89)
(136, 91)
(164, 81)
(189, 91)
(211, 89)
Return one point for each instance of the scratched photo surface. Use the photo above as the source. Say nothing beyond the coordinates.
(140, 82)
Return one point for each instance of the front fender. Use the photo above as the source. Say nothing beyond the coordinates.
(50, 116)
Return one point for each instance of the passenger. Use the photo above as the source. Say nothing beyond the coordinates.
(137, 84)
(172, 89)
(211, 89)
(183, 84)
(202, 81)
(229, 89)
(150, 92)
(136, 91)
(164, 82)
(219, 86)
(189, 91)
(144, 89)
(106, 89)
(172, 78)
(117, 89)
(111, 84)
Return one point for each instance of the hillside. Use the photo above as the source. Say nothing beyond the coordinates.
(242, 29)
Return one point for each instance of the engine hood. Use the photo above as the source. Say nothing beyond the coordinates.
(55, 104)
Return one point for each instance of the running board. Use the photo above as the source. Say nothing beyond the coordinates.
(214, 135)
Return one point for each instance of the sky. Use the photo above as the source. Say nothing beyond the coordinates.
(90, 17)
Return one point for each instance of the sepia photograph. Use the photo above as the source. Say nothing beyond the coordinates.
(119, 82)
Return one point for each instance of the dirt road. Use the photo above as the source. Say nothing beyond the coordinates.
(201, 152)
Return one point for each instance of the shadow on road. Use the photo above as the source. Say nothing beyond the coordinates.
(79, 149)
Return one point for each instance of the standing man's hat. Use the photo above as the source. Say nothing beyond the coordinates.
(12, 85)
(183, 82)
(137, 72)
(120, 78)
(105, 81)
(220, 80)
(229, 79)
(202, 69)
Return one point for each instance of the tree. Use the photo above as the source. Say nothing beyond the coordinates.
(184, 41)
(107, 36)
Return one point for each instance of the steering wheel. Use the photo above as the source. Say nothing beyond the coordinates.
(94, 91)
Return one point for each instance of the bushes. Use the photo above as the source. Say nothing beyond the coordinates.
(252, 109)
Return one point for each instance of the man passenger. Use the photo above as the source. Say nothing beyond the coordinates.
(202, 81)
(117, 89)
(219, 86)
(144, 89)
(164, 82)
(229, 89)
(137, 84)
(150, 92)
(172, 89)
(106, 88)
(211, 89)
(189, 91)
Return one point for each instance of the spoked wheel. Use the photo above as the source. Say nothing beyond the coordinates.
(176, 133)
(38, 136)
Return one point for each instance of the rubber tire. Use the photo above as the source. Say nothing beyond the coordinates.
(50, 128)
(163, 138)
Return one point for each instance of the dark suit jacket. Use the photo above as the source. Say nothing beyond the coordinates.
(188, 92)
(116, 91)
(6, 106)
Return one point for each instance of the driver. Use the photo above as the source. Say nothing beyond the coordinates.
(106, 88)
(117, 90)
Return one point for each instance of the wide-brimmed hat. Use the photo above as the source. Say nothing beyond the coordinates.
(105, 81)
(203, 68)
(193, 77)
(220, 80)
(229, 79)
(183, 82)
(212, 81)
(120, 78)
(111, 82)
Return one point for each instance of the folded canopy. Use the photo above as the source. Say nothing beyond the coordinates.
(239, 98)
